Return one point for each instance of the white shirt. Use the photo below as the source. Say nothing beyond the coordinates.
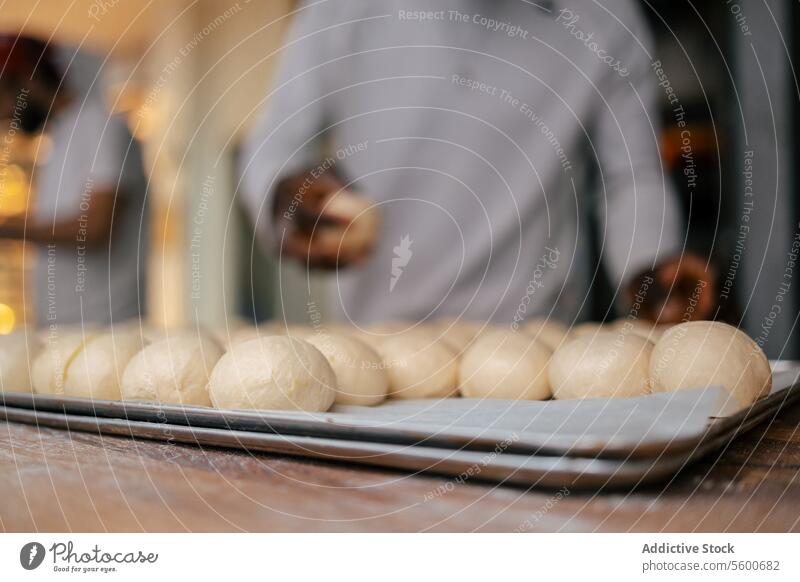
(92, 152)
(472, 129)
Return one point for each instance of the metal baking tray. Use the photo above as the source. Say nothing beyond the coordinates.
(635, 428)
(505, 467)
(365, 436)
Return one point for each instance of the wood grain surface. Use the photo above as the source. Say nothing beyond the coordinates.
(52, 480)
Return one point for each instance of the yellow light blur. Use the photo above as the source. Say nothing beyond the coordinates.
(13, 190)
(7, 319)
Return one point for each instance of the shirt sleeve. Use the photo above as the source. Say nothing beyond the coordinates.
(285, 140)
(108, 152)
(639, 215)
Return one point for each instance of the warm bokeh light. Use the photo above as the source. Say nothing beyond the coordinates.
(13, 190)
(7, 319)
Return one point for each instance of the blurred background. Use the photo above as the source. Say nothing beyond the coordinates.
(190, 77)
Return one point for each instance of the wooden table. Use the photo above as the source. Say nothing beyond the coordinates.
(52, 480)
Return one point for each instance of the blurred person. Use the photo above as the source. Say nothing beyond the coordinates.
(473, 125)
(88, 218)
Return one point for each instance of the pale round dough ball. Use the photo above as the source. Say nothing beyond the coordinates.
(49, 371)
(588, 328)
(607, 364)
(646, 329)
(368, 339)
(273, 373)
(360, 374)
(345, 329)
(248, 332)
(507, 365)
(174, 370)
(273, 328)
(550, 332)
(375, 334)
(459, 333)
(389, 329)
(18, 350)
(96, 369)
(51, 335)
(299, 331)
(148, 332)
(659, 330)
(361, 334)
(225, 333)
(419, 365)
(705, 353)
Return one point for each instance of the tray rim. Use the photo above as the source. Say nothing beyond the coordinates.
(532, 471)
(455, 438)
(575, 473)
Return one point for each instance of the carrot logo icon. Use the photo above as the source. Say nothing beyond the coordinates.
(402, 255)
(31, 555)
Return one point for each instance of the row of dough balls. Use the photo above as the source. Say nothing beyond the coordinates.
(620, 360)
(275, 367)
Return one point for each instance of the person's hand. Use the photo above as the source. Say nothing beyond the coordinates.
(679, 289)
(313, 232)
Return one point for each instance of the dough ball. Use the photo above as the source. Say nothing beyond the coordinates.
(360, 334)
(223, 334)
(360, 224)
(53, 334)
(351, 331)
(152, 334)
(419, 365)
(364, 336)
(459, 333)
(244, 334)
(360, 374)
(149, 333)
(250, 332)
(49, 371)
(174, 370)
(646, 329)
(703, 353)
(17, 352)
(97, 367)
(300, 331)
(342, 329)
(273, 373)
(608, 364)
(550, 332)
(588, 328)
(375, 334)
(507, 365)
(659, 330)
(389, 329)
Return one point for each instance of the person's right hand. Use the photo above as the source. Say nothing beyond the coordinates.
(300, 205)
(681, 288)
